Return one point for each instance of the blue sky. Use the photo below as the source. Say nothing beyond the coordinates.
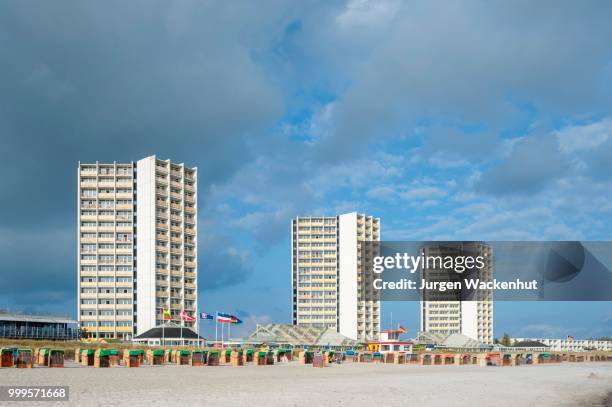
(488, 121)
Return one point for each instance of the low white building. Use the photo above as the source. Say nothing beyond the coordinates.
(571, 345)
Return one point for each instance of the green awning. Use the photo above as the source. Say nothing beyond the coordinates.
(249, 351)
(25, 350)
(546, 355)
(184, 352)
(134, 353)
(262, 353)
(228, 352)
(197, 351)
(91, 352)
(214, 352)
(105, 352)
(158, 352)
(56, 351)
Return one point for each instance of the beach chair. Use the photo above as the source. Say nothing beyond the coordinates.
(237, 358)
(55, 358)
(24, 359)
(7, 357)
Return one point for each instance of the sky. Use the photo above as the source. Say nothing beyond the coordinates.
(471, 120)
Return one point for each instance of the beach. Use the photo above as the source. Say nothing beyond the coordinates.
(349, 384)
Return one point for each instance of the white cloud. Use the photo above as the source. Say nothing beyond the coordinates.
(578, 138)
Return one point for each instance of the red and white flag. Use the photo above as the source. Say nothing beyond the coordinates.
(186, 317)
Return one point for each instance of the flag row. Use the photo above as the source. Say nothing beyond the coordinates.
(221, 317)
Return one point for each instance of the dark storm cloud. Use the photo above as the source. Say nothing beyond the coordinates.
(221, 264)
(470, 62)
(115, 81)
(86, 81)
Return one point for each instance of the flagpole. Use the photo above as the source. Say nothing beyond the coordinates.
(216, 337)
(197, 321)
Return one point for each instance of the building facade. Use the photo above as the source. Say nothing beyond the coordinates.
(571, 345)
(328, 278)
(471, 318)
(137, 245)
(47, 327)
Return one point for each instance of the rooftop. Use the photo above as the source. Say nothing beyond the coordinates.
(297, 335)
(49, 319)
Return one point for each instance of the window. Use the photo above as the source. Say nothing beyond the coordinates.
(87, 257)
(88, 248)
(106, 259)
(106, 203)
(124, 259)
(106, 312)
(124, 290)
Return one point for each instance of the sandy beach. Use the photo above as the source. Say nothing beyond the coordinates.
(575, 384)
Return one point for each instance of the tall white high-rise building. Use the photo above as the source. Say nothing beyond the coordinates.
(329, 285)
(137, 251)
(471, 318)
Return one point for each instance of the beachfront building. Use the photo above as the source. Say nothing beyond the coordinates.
(570, 344)
(137, 245)
(17, 325)
(473, 318)
(330, 286)
(390, 341)
(170, 334)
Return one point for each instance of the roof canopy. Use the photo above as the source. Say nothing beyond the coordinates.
(297, 335)
(169, 332)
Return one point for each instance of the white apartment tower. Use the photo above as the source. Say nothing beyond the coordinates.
(471, 318)
(328, 278)
(137, 246)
